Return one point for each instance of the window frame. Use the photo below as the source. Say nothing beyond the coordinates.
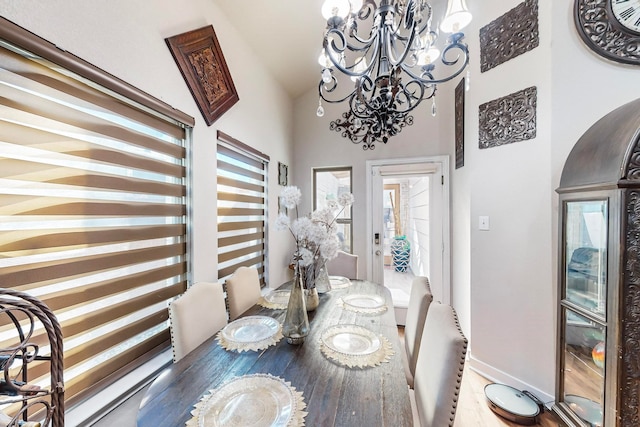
(131, 97)
(348, 220)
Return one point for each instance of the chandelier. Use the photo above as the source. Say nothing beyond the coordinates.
(388, 50)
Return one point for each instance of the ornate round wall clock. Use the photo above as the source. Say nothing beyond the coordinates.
(611, 28)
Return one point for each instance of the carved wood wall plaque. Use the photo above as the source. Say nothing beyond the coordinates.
(510, 35)
(508, 119)
(459, 123)
(205, 71)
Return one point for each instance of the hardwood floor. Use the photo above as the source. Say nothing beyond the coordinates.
(473, 410)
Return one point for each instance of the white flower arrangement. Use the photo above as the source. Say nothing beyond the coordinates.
(315, 235)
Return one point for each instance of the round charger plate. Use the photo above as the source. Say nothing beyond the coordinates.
(250, 333)
(362, 303)
(339, 282)
(259, 400)
(354, 346)
(276, 300)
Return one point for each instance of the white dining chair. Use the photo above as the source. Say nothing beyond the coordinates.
(438, 375)
(344, 264)
(419, 301)
(243, 291)
(195, 316)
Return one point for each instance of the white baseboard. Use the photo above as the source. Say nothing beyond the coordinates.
(501, 377)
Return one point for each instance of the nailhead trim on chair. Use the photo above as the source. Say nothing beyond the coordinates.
(460, 369)
(173, 338)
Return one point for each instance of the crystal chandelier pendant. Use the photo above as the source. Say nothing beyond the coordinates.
(433, 106)
(326, 75)
(320, 110)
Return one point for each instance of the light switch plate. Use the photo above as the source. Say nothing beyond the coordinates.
(483, 223)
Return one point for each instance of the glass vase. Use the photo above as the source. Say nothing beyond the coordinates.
(296, 322)
(311, 298)
(323, 284)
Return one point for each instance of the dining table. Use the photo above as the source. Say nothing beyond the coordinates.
(335, 394)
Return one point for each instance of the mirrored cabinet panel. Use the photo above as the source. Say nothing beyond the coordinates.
(586, 254)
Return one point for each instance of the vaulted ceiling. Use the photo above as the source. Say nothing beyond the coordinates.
(285, 34)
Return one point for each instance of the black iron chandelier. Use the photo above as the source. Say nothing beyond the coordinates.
(388, 49)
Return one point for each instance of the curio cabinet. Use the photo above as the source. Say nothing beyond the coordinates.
(598, 347)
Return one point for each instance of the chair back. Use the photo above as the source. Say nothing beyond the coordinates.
(439, 369)
(196, 316)
(419, 302)
(243, 290)
(345, 265)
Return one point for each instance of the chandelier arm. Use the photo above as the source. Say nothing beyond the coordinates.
(434, 81)
(406, 51)
(456, 43)
(368, 8)
(413, 100)
(321, 93)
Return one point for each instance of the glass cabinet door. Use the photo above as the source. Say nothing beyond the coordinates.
(586, 255)
(583, 310)
(584, 361)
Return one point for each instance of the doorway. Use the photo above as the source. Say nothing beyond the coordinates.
(409, 226)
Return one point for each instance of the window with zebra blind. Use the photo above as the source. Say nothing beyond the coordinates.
(242, 207)
(93, 208)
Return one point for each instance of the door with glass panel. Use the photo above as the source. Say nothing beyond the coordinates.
(409, 225)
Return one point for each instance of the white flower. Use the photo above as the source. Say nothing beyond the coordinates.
(282, 222)
(291, 196)
(323, 215)
(316, 233)
(307, 257)
(300, 227)
(332, 205)
(345, 199)
(329, 248)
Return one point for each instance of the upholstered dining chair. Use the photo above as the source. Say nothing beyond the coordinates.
(195, 316)
(419, 302)
(439, 369)
(345, 265)
(243, 291)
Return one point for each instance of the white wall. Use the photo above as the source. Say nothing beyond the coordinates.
(126, 39)
(511, 280)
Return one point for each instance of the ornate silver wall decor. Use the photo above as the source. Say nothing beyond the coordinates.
(508, 119)
(602, 33)
(459, 123)
(510, 35)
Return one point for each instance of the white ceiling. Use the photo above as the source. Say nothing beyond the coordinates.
(285, 34)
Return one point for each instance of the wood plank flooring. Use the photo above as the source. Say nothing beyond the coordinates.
(473, 410)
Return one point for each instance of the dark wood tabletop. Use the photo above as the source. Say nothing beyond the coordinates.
(335, 395)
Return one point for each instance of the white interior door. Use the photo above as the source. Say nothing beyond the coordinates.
(438, 268)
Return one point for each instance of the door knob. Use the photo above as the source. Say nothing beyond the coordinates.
(378, 252)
